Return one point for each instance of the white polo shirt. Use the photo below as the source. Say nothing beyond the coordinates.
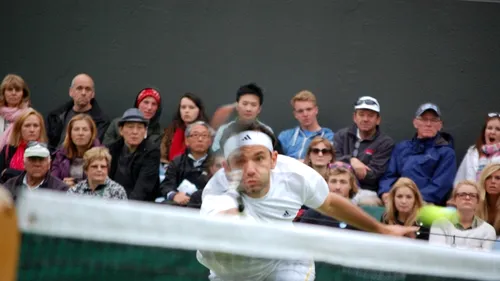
(292, 185)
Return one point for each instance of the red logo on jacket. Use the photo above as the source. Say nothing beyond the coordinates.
(369, 151)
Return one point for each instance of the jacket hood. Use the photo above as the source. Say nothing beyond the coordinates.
(156, 118)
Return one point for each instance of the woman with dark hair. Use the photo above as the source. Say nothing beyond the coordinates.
(81, 135)
(190, 109)
(484, 152)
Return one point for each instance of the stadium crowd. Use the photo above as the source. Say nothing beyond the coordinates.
(77, 149)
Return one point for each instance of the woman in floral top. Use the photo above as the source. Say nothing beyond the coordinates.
(96, 162)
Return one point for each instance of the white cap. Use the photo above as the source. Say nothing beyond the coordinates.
(367, 102)
(36, 150)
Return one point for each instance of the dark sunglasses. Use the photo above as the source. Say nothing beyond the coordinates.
(35, 143)
(494, 114)
(323, 151)
(366, 101)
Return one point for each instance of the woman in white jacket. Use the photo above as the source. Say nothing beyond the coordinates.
(484, 152)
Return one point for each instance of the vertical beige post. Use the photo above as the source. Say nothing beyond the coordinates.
(9, 238)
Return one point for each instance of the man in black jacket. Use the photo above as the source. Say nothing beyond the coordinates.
(82, 92)
(36, 174)
(363, 145)
(136, 160)
(187, 174)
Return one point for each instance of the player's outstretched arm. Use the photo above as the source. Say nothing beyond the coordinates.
(342, 209)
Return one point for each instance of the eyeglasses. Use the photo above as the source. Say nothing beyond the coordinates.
(494, 114)
(323, 151)
(463, 195)
(356, 148)
(431, 120)
(197, 136)
(35, 143)
(366, 101)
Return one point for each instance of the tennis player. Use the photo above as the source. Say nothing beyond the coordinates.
(271, 188)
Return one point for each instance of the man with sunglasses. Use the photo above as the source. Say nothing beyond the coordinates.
(428, 158)
(36, 174)
(363, 145)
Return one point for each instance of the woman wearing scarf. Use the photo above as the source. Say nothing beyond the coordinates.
(484, 152)
(28, 127)
(14, 100)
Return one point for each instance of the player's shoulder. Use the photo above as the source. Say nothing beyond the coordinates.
(288, 165)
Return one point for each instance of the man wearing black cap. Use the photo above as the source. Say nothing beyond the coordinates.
(135, 159)
(428, 159)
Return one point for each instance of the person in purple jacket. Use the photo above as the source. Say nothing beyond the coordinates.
(81, 135)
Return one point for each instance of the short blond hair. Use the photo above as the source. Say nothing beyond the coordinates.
(303, 95)
(94, 154)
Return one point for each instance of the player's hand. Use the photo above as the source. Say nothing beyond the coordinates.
(221, 115)
(181, 198)
(69, 181)
(399, 230)
(360, 169)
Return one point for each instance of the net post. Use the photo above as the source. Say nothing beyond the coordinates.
(9, 241)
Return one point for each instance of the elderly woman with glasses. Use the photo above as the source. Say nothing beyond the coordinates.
(467, 230)
(96, 163)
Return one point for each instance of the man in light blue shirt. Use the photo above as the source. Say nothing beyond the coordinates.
(295, 141)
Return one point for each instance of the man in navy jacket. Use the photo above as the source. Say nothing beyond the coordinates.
(428, 159)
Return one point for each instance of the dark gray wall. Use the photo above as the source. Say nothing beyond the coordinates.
(404, 52)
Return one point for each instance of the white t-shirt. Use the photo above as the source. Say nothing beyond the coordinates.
(293, 184)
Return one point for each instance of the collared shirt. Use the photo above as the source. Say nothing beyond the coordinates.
(458, 225)
(199, 162)
(110, 189)
(31, 188)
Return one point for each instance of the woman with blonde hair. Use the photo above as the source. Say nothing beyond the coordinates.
(14, 100)
(403, 203)
(319, 155)
(466, 230)
(29, 127)
(489, 186)
(81, 135)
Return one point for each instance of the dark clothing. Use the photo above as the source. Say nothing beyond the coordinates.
(122, 174)
(430, 163)
(422, 234)
(6, 155)
(142, 169)
(374, 153)
(180, 169)
(312, 216)
(15, 184)
(60, 167)
(56, 122)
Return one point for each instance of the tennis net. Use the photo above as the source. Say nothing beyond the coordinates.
(79, 238)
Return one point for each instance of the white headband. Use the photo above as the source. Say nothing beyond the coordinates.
(247, 138)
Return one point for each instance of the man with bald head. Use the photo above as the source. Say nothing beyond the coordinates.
(82, 93)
